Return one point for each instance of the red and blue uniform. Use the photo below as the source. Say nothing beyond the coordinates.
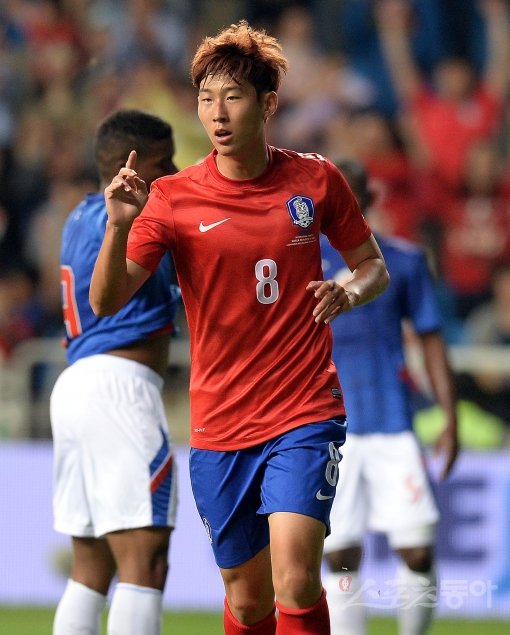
(267, 415)
(244, 251)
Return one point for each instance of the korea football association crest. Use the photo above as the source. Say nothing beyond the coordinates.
(301, 210)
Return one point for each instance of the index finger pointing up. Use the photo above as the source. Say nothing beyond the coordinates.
(131, 162)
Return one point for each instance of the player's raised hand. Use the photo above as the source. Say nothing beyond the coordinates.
(332, 297)
(126, 195)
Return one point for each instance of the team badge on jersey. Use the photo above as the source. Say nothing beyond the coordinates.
(301, 210)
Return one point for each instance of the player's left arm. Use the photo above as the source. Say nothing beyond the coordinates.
(440, 376)
(369, 279)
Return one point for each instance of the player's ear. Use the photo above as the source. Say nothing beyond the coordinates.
(270, 104)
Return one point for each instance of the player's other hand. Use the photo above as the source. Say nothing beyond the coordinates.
(126, 195)
(447, 446)
(333, 299)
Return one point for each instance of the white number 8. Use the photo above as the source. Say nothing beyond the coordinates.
(332, 466)
(267, 286)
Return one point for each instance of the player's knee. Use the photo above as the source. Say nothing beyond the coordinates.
(297, 586)
(344, 559)
(249, 609)
(147, 568)
(419, 559)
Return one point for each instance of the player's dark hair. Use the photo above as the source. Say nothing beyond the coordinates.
(356, 176)
(243, 54)
(123, 131)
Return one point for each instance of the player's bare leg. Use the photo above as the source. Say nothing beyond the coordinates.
(80, 607)
(93, 564)
(141, 555)
(296, 550)
(249, 600)
(142, 563)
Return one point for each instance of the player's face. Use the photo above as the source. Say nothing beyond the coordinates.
(233, 116)
(160, 162)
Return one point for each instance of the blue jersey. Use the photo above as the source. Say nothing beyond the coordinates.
(151, 310)
(368, 347)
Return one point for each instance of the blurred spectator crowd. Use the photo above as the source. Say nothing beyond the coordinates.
(418, 90)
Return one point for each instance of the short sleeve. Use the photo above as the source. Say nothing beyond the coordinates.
(342, 223)
(421, 303)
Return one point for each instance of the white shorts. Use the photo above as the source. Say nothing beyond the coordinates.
(383, 486)
(113, 462)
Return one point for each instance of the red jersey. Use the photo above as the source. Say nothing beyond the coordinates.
(244, 251)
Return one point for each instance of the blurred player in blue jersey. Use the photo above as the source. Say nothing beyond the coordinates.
(383, 484)
(114, 478)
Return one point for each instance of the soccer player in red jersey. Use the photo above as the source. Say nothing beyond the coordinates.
(267, 414)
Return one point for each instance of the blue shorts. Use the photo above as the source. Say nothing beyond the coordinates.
(235, 491)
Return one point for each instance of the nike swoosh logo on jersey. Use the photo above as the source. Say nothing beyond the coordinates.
(205, 228)
(320, 496)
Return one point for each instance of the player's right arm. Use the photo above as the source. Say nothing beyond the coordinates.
(115, 279)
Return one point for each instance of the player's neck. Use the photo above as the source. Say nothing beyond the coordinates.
(239, 167)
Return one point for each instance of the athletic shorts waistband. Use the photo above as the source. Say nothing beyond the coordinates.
(122, 365)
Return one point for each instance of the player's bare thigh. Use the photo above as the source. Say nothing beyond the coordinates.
(297, 543)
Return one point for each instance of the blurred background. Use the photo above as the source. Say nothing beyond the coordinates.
(415, 89)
